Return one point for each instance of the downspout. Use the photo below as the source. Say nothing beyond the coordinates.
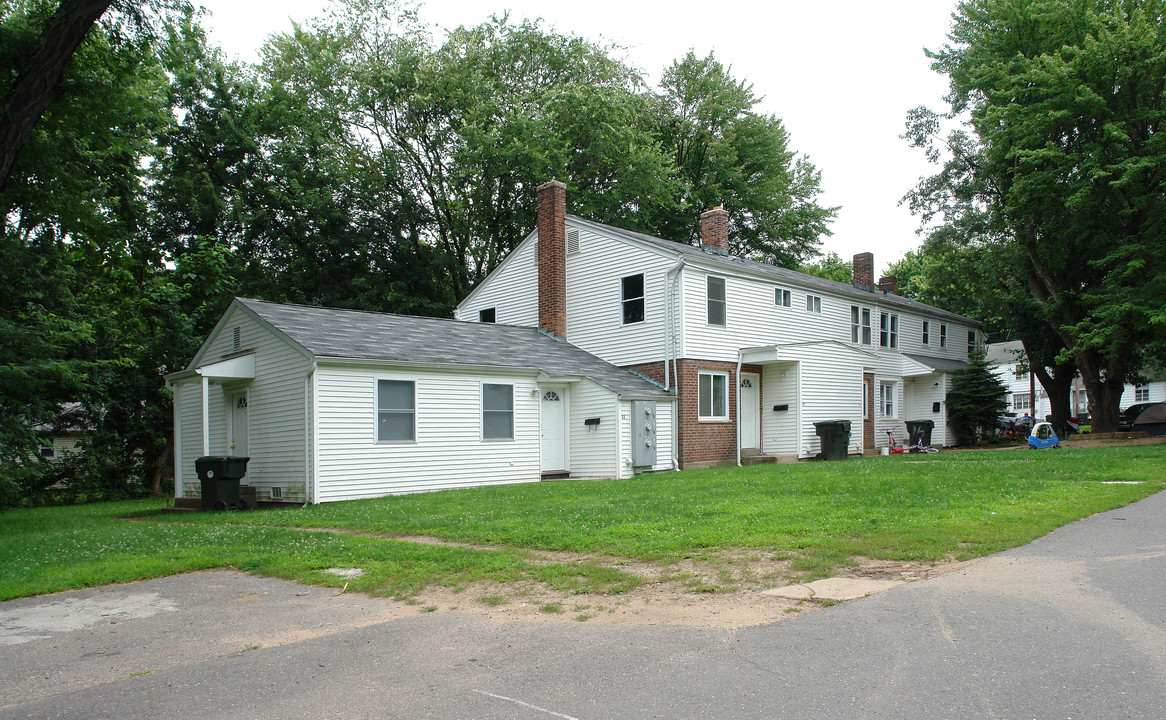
(737, 382)
(315, 483)
(670, 349)
(206, 422)
(309, 476)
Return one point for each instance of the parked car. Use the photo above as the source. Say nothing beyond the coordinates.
(1125, 420)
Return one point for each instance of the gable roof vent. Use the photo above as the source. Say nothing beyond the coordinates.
(572, 242)
(235, 339)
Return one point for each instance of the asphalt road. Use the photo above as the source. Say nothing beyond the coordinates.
(1071, 626)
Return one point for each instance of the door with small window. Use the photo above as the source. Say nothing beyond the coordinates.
(750, 411)
(237, 440)
(554, 428)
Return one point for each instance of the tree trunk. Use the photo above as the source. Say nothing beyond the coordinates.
(38, 83)
(1104, 387)
(160, 467)
(1059, 387)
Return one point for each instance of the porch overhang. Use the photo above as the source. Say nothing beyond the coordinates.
(793, 352)
(916, 365)
(229, 370)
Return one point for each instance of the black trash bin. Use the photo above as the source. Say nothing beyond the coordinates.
(835, 435)
(920, 430)
(219, 476)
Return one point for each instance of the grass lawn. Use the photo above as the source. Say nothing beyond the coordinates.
(818, 515)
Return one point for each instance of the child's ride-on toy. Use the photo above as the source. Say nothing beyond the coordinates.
(1043, 436)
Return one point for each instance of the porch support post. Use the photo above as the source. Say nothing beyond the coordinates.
(206, 422)
(738, 384)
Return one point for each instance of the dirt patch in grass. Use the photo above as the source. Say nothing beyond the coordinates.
(715, 590)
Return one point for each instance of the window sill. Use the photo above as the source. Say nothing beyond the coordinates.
(713, 420)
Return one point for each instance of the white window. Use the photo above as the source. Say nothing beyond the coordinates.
(814, 303)
(1142, 393)
(497, 411)
(715, 291)
(887, 399)
(860, 325)
(632, 298)
(396, 411)
(865, 400)
(714, 397)
(926, 333)
(1020, 372)
(971, 341)
(943, 336)
(889, 330)
(486, 315)
(1021, 402)
(781, 297)
(48, 452)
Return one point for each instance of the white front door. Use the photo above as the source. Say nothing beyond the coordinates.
(554, 428)
(237, 438)
(750, 411)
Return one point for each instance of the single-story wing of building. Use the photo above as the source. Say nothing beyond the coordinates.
(333, 404)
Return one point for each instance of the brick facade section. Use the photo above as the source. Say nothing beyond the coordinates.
(714, 229)
(868, 421)
(864, 270)
(708, 443)
(889, 284)
(552, 258)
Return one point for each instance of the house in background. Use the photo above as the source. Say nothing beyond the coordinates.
(341, 404)
(756, 353)
(60, 438)
(1011, 365)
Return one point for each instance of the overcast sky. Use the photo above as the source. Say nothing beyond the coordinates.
(841, 75)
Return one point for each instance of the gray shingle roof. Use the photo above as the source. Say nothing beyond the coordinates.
(384, 337)
(778, 275)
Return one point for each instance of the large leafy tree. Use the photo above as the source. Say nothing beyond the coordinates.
(729, 154)
(1061, 162)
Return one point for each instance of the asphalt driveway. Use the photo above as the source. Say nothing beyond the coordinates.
(1071, 626)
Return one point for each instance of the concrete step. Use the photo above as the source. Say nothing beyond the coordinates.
(757, 459)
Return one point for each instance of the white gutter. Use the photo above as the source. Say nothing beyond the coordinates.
(670, 348)
(738, 418)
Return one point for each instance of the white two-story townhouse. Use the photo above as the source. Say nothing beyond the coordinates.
(1027, 396)
(756, 354)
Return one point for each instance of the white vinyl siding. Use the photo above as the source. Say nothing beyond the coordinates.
(449, 451)
(818, 381)
(275, 410)
(594, 312)
(594, 452)
(512, 290)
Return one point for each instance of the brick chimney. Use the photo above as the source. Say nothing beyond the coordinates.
(714, 229)
(552, 258)
(864, 270)
(888, 284)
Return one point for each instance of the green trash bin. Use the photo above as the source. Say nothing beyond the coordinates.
(920, 430)
(835, 436)
(219, 476)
